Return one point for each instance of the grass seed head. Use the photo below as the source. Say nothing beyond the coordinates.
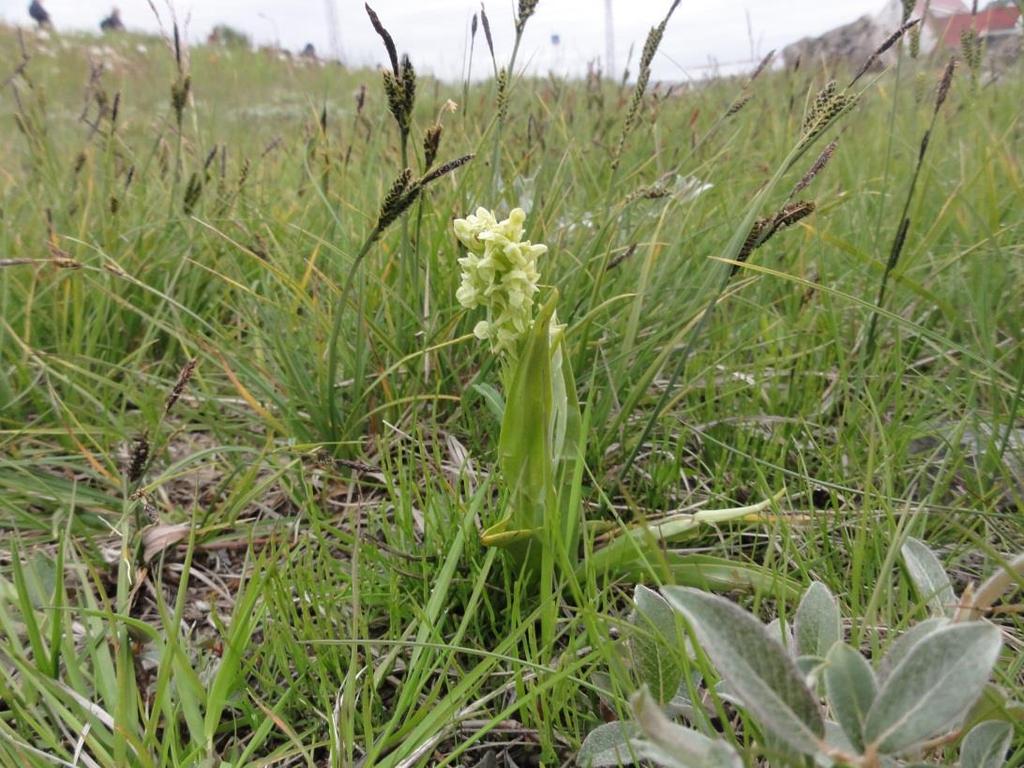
(502, 94)
(821, 102)
(915, 42)
(827, 106)
(970, 49)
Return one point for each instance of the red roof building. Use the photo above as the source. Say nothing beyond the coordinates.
(947, 20)
(999, 20)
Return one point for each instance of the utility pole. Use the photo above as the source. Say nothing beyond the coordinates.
(609, 41)
(332, 29)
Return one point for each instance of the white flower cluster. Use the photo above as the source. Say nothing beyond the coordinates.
(499, 273)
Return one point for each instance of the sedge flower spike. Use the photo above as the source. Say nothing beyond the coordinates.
(499, 273)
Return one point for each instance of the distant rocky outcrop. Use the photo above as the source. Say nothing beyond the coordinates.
(852, 42)
(944, 22)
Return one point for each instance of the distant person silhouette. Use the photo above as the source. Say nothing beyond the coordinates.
(39, 14)
(309, 52)
(113, 22)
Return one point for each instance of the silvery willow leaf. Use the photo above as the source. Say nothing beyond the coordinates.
(986, 744)
(851, 687)
(656, 644)
(928, 577)
(817, 625)
(755, 665)
(906, 642)
(610, 744)
(673, 746)
(932, 687)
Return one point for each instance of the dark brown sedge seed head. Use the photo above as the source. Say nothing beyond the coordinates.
(739, 104)
(763, 65)
(396, 97)
(945, 83)
(765, 227)
(487, 29)
(137, 458)
(526, 10)
(431, 143)
(888, 43)
(816, 168)
(444, 170)
(385, 36)
(791, 213)
(617, 261)
(184, 377)
(396, 191)
(389, 215)
(193, 190)
(652, 192)
(408, 88)
(753, 240)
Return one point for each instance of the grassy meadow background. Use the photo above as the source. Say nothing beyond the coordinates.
(243, 579)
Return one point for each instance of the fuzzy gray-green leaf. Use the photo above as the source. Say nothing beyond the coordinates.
(928, 577)
(817, 624)
(851, 686)
(986, 745)
(755, 665)
(933, 687)
(656, 644)
(610, 744)
(671, 745)
(903, 644)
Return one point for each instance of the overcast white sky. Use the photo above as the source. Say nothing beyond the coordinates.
(433, 32)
